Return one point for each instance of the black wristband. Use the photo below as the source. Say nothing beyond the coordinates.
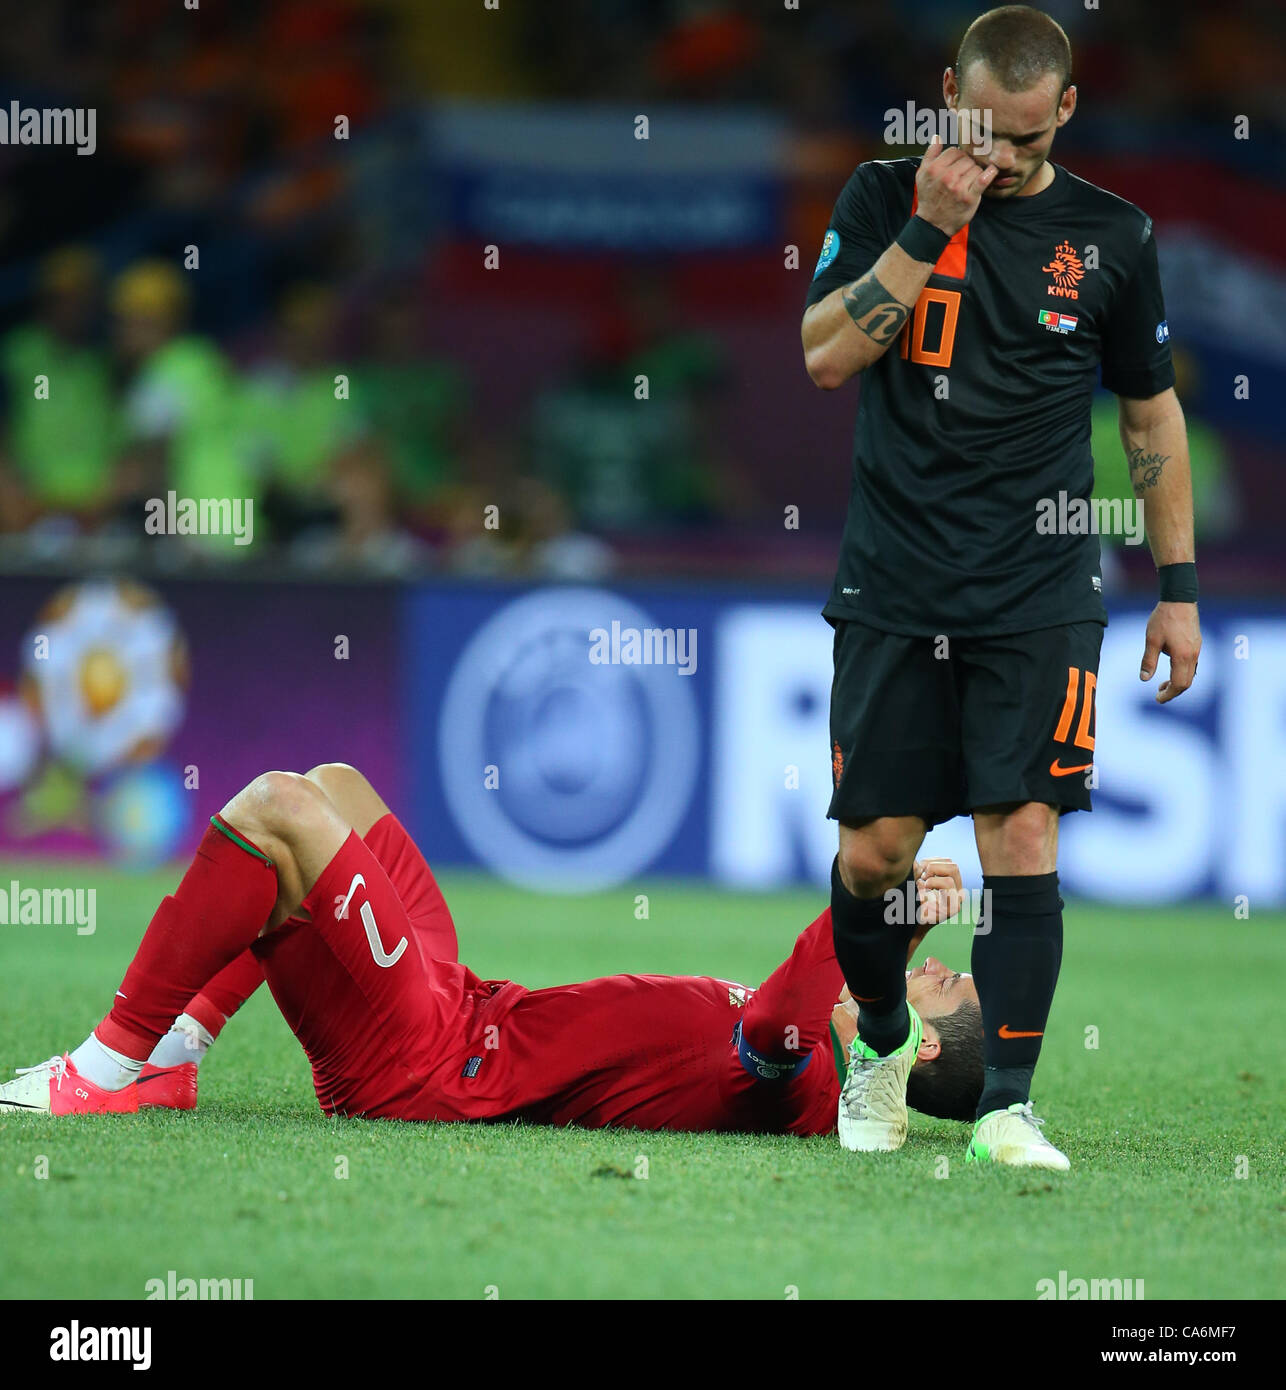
(1178, 583)
(922, 241)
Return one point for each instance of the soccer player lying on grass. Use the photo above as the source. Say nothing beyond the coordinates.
(312, 883)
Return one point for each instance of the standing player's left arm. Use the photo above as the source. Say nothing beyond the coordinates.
(1156, 446)
(1137, 367)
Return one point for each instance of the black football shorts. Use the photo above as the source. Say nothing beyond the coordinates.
(931, 727)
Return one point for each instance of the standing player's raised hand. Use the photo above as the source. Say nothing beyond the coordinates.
(949, 186)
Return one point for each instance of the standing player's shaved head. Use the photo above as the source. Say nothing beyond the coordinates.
(1019, 45)
(1013, 68)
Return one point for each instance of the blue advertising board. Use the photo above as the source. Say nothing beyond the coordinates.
(573, 738)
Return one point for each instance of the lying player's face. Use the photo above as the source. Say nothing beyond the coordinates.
(1023, 125)
(932, 990)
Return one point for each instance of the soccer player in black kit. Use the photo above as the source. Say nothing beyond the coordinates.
(978, 290)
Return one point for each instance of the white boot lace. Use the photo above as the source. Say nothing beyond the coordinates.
(1034, 1121)
(55, 1066)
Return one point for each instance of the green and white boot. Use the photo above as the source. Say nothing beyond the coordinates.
(872, 1100)
(1013, 1137)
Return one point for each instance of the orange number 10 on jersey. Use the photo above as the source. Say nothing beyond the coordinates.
(943, 324)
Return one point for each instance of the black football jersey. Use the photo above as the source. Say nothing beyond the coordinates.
(976, 421)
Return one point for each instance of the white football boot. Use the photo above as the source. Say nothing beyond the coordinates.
(872, 1101)
(1013, 1136)
(55, 1087)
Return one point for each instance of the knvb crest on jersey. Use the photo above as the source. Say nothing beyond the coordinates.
(1068, 271)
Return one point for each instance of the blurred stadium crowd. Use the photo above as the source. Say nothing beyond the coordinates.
(234, 298)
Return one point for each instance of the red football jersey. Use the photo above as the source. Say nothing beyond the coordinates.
(396, 1027)
(653, 1052)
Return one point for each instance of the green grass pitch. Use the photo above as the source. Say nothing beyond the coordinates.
(1183, 1092)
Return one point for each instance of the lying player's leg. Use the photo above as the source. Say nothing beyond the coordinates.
(256, 862)
(169, 1080)
(371, 1020)
(365, 972)
(169, 1077)
(366, 811)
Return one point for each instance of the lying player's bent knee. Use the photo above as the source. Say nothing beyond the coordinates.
(331, 777)
(279, 801)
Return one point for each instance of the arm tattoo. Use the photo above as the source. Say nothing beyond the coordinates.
(873, 309)
(1145, 469)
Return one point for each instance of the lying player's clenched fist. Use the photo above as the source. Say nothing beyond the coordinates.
(938, 889)
(949, 186)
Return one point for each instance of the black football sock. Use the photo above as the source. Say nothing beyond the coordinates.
(1015, 968)
(871, 952)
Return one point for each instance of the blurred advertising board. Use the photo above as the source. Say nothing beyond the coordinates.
(531, 758)
(574, 738)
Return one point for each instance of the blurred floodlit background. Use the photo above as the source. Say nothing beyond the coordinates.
(270, 282)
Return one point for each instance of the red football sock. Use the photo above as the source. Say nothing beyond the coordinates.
(220, 907)
(235, 983)
(224, 995)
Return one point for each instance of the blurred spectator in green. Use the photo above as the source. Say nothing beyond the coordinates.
(62, 428)
(417, 406)
(1215, 505)
(299, 409)
(629, 440)
(182, 410)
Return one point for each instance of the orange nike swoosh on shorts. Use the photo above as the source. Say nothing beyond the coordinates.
(1005, 1031)
(1055, 770)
